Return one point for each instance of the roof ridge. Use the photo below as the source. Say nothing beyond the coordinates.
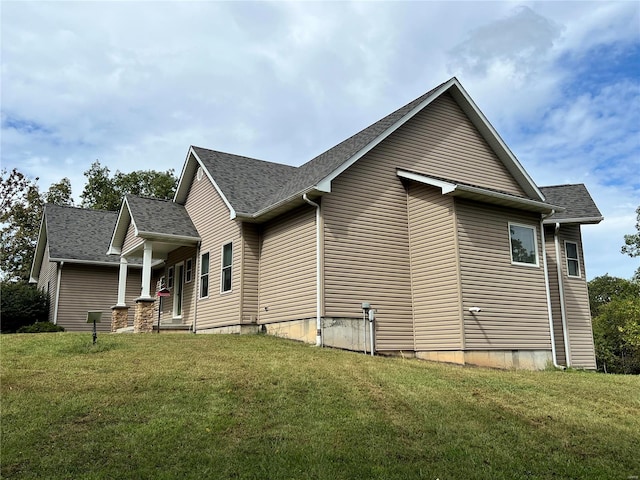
(243, 156)
(562, 185)
(84, 209)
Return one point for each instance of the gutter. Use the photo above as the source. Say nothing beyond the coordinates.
(318, 271)
(563, 312)
(554, 355)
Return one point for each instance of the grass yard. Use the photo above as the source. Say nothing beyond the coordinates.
(256, 407)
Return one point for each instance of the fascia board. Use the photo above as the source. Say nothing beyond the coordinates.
(446, 187)
(457, 189)
(505, 196)
(39, 252)
(324, 185)
(187, 172)
(232, 212)
(163, 237)
(102, 264)
(119, 230)
(495, 141)
(290, 198)
(585, 220)
(85, 262)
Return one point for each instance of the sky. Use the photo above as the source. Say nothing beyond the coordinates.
(134, 84)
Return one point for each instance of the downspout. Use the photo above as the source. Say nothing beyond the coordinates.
(554, 355)
(55, 308)
(318, 272)
(563, 313)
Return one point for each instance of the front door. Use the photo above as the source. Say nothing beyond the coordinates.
(178, 291)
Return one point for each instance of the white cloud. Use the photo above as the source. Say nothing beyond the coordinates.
(134, 84)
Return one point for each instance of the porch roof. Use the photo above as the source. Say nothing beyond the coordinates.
(159, 220)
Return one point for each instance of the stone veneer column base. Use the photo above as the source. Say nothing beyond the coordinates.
(144, 315)
(119, 317)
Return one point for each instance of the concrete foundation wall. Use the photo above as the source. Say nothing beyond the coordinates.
(508, 359)
(230, 329)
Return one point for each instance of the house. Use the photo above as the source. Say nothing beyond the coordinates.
(425, 218)
(72, 267)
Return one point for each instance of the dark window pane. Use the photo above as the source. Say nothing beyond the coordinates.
(227, 255)
(226, 279)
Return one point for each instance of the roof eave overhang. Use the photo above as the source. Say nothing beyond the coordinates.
(280, 207)
(169, 238)
(580, 220)
(481, 194)
(36, 265)
(120, 229)
(100, 263)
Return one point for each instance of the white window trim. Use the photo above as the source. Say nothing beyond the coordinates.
(187, 261)
(225, 292)
(577, 259)
(535, 241)
(200, 275)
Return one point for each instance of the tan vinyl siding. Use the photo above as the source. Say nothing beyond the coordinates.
(554, 291)
(442, 141)
(434, 269)
(366, 251)
(365, 215)
(180, 255)
(287, 277)
(86, 288)
(250, 271)
(576, 298)
(512, 297)
(211, 218)
(130, 239)
(48, 281)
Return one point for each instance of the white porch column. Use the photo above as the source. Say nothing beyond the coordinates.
(146, 269)
(122, 283)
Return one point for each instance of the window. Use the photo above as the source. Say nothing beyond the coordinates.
(204, 275)
(170, 277)
(524, 249)
(573, 262)
(227, 263)
(188, 270)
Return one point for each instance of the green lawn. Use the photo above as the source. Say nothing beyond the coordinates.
(222, 406)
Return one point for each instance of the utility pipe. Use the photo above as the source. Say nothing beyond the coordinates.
(563, 312)
(318, 272)
(554, 355)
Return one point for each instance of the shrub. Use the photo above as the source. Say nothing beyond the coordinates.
(41, 327)
(21, 304)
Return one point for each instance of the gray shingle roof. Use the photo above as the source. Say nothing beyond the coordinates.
(577, 201)
(252, 185)
(161, 216)
(319, 167)
(79, 233)
(246, 182)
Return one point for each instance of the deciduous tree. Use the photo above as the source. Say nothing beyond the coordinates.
(105, 192)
